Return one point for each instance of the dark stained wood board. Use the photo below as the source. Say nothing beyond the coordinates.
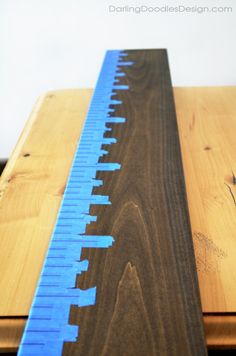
(147, 289)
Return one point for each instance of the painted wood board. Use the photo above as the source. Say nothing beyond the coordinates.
(188, 101)
(147, 291)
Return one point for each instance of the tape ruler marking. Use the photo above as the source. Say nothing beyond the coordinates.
(47, 327)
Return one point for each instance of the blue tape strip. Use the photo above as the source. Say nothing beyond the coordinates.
(47, 327)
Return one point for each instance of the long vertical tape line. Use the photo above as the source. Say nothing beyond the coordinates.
(47, 327)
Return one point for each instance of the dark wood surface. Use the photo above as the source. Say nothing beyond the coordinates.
(147, 290)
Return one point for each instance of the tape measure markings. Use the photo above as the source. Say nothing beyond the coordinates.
(47, 327)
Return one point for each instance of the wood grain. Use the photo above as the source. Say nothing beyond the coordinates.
(31, 188)
(207, 126)
(220, 331)
(207, 105)
(11, 330)
(147, 291)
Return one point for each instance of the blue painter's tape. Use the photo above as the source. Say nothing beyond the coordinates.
(121, 87)
(120, 74)
(123, 64)
(48, 324)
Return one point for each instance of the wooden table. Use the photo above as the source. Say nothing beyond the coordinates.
(33, 182)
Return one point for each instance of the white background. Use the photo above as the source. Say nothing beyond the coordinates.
(55, 44)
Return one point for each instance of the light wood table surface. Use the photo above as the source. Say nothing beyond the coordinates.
(33, 182)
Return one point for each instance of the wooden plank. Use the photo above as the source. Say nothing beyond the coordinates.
(206, 104)
(207, 125)
(31, 188)
(147, 291)
(16, 152)
(220, 332)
